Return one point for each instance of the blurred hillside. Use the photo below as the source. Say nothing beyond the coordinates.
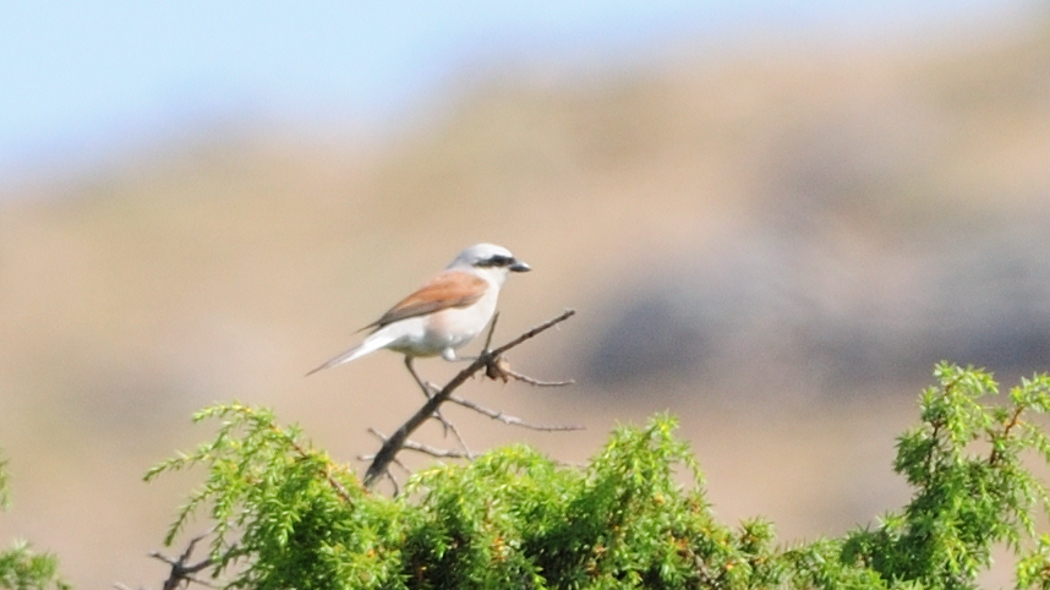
(776, 245)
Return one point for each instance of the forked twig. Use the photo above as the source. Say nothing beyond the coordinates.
(181, 573)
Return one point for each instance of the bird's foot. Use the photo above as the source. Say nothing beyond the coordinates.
(498, 368)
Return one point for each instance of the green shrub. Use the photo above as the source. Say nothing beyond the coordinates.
(287, 516)
(20, 567)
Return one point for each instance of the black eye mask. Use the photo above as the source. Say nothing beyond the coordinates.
(497, 260)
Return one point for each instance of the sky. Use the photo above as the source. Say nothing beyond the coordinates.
(80, 78)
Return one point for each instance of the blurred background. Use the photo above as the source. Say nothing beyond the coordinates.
(773, 218)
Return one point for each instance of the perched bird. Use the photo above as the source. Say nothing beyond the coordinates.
(444, 314)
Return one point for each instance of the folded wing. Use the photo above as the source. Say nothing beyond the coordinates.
(448, 289)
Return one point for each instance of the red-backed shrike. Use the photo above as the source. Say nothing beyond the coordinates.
(444, 314)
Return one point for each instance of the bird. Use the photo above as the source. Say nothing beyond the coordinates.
(444, 314)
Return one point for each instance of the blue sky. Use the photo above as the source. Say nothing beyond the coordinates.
(78, 78)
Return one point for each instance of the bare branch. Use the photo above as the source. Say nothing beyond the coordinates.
(537, 382)
(499, 369)
(508, 419)
(531, 333)
(181, 573)
(424, 448)
(390, 448)
(455, 432)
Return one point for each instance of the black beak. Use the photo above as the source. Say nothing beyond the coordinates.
(519, 266)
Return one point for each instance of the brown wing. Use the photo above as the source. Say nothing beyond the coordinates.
(448, 289)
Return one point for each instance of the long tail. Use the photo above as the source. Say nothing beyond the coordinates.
(371, 344)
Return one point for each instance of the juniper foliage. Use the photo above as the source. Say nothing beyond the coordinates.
(20, 567)
(636, 516)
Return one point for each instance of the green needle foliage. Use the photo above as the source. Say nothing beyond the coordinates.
(636, 516)
(20, 567)
(5, 486)
(972, 489)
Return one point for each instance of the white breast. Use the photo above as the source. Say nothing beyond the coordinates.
(446, 329)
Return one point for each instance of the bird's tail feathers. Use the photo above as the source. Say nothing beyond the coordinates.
(371, 344)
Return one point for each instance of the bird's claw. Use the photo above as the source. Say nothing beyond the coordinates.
(498, 368)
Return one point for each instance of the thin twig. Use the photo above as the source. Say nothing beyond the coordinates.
(397, 440)
(435, 452)
(455, 432)
(446, 424)
(424, 448)
(508, 419)
(537, 382)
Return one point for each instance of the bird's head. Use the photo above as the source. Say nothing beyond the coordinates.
(489, 260)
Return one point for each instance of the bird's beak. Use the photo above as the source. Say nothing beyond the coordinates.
(519, 266)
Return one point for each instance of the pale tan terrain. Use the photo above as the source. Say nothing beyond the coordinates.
(775, 245)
